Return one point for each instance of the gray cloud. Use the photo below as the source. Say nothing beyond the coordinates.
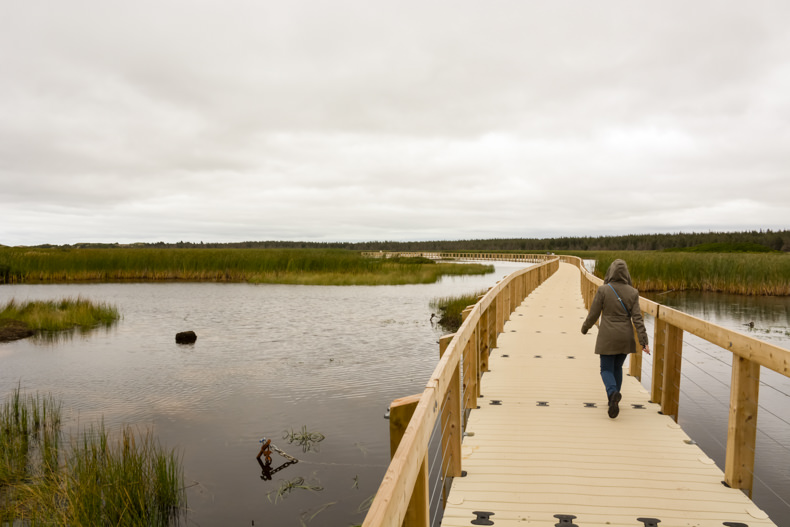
(347, 120)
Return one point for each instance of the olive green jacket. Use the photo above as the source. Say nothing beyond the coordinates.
(615, 332)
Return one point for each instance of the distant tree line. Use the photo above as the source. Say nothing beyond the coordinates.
(775, 240)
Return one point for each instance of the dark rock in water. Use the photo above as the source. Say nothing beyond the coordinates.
(186, 337)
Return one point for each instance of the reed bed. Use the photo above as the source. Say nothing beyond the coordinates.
(451, 308)
(129, 481)
(59, 315)
(746, 274)
(290, 266)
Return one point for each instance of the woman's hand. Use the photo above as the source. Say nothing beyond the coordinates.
(646, 349)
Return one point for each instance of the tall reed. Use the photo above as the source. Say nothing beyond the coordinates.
(130, 480)
(127, 481)
(747, 274)
(305, 266)
(452, 307)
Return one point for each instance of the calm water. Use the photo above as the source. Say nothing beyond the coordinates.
(704, 385)
(271, 358)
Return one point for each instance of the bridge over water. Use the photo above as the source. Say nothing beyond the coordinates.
(514, 421)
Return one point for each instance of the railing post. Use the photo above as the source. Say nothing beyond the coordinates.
(500, 312)
(476, 363)
(401, 410)
(659, 345)
(673, 355)
(451, 419)
(482, 348)
(483, 336)
(742, 428)
(465, 312)
(470, 377)
(491, 320)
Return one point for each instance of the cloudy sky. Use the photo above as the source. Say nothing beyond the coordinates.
(362, 120)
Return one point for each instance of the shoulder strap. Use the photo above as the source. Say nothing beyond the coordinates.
(620, 299)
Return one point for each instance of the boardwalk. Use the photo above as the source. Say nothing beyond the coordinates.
(541, 443)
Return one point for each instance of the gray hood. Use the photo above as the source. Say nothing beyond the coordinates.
(618, 272)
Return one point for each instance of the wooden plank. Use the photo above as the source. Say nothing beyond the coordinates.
(451, 414)
(401, 411)
(742, 427)
(673, 360)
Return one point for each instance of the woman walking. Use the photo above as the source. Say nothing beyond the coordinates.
(617, 303)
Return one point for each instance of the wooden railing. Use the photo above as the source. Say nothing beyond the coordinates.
(749, 354)
(453, 389)
(440, 255)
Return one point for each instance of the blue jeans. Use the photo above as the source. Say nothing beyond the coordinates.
(612, 372)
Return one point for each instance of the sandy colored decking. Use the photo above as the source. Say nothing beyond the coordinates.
(526, 463)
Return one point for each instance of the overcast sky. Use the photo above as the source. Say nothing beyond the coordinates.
(400, 120)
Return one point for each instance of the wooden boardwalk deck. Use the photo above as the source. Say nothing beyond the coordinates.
(540, 450)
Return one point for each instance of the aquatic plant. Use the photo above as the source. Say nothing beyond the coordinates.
(747, 274)
(127, 481)
(286, 487)
(57, 315)
(721, 247)
(304, 438)
(452, 307)
(288, 266)
(130, 480)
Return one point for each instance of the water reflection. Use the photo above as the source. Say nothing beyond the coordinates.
(266, 468)
(764, 317)
(267, 358)
(705, 387)
(271, 358)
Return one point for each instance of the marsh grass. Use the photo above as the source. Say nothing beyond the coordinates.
(130, 480)
(746, 274)
(59, 315)
(127, 481)
(451, 308)
(288, 266)
(29, 437)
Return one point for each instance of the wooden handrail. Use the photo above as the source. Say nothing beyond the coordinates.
(394, 499)
(749, 354)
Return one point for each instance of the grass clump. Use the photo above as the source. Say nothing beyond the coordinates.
(451, 307)
(747, 274)
(127, 481)
(287, 266)
(96, 481)
(21, 319)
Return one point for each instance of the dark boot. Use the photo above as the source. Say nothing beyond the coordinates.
(614, 409)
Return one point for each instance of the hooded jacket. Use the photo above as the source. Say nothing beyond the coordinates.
(615, 332)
